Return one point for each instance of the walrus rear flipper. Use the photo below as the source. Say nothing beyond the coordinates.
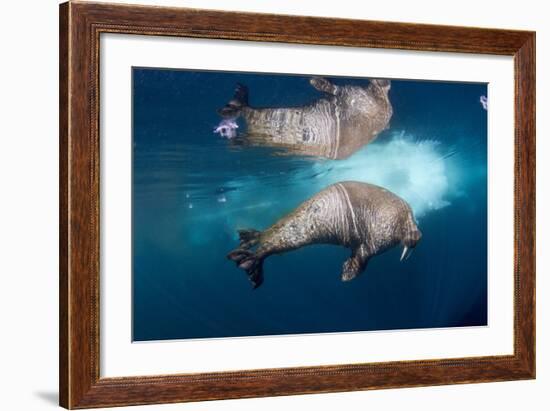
(249, 238)
(251, 263)
(240, 100)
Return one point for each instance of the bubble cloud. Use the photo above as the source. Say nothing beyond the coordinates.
(416, 170)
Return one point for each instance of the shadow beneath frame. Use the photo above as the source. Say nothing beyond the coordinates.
(51, 397)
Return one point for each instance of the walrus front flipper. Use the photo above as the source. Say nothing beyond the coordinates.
(250, 263)
(239, 100)
(323, 85)
(382, 83)
(249, 238)
(356, 264)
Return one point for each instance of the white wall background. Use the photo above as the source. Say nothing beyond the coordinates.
(28, 213)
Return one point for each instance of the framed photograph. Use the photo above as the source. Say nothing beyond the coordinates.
(258, 205)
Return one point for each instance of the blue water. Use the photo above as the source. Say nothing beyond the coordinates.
(192, 190)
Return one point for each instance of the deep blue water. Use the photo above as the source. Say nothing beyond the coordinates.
(192, 190)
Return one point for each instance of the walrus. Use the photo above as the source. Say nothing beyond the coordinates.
(363, 217)
(334, 126)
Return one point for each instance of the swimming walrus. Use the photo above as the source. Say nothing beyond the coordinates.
(363, 217)
(334, 127)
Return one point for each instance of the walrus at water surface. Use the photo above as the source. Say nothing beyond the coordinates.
(362, 217)
(334, 127)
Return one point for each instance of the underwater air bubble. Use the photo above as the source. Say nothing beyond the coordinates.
(484, 102)
(227, 128)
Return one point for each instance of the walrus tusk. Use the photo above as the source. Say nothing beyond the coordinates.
(403, 253)
(406, 253)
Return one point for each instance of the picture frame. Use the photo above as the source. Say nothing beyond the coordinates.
(80, 381)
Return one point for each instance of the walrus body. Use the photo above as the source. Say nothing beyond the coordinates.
(334, 127)
(362, 217)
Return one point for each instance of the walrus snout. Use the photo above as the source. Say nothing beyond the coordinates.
(412, 238)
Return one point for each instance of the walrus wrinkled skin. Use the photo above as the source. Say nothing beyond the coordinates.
(362, 217)
(334, 127)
